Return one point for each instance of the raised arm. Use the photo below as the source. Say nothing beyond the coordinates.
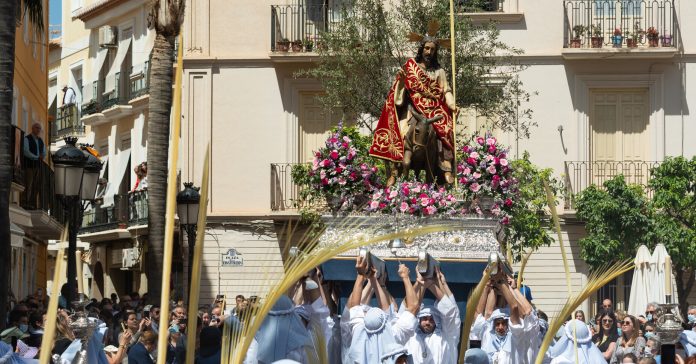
(412, 302)
(502, 286)
(381, 293)
(356, 295)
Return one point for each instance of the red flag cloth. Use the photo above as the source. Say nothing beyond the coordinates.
(427, 97)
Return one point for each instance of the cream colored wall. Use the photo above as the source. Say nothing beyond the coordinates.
(262, 268)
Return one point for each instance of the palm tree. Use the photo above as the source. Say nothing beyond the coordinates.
(166, 16)
(9, 19)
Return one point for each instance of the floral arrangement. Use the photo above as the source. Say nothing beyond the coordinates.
(617, 31)
(413, 198)
(651, 33)
(339, 174)
(484, 171)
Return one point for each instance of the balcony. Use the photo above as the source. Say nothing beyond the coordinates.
(597, 29)
(129, 210)
(67, 123)
(139, 82)
(129, 90)
(296, 29)
(39, 199)
(581, 174)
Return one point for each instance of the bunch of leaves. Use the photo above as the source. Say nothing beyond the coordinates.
(363, 53)
(618, 219)
(673, 184)
(413, 198)
(530, 225)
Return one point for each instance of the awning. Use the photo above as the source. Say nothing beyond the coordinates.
(110, 81)
(16, 235)
(119, 165)
(461, 277)
(52, 95)
(97, 64)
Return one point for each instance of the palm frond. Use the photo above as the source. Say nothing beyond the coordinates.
(34, 12)
(471, 304)
(315, 252)
(597, 280)
(523, 265)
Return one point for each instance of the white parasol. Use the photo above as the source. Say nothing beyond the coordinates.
(657, 287)
(642, 281)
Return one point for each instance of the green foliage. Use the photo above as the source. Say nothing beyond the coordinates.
(674, 199)
(362, 55)
(530, 226)
(618, 219)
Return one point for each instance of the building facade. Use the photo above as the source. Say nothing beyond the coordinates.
(601, 110)
(34, 217)
(104, 57)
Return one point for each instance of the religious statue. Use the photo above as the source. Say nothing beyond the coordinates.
(416, 127)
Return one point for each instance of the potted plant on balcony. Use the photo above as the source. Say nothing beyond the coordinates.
(308, 44)
(597, 38)
(653, 37)
(297, 45)
(617, 39)
(666, 40)
(282, 45)
(633, 38)
(579, 30)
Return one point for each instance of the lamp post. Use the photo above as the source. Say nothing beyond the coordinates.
(76, 175)
(187, 202)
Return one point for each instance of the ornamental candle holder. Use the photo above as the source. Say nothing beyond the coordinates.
(82, 327)
(669, 322)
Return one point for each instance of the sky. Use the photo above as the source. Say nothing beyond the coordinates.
(54, 12)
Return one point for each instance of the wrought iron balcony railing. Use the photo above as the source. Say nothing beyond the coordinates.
(619, 23)
(139, 81)
(284, 192)
(581, 174)
(128, 210)
(39, 193)
(68, 123)
(301, 25)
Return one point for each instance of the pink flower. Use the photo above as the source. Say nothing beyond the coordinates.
(424, 201)
(405, 190)
(466, 149)
(477, 175)
(491, 169)
(374, 204)
(490, 141)
(322, 174)
(333, 154)
(474, 155)
(491, 149)
(403, 207)
(342, 181)
(508, 202)
(505, 221)
(430, 210)
(344, 145)
(496, 177)
(338, 170)
(333, 140)
(353, 176)
(393, 194)
(480, 140)
(382, 205)
(503, 162)
(496, 160)
(471, 161)
(324, 181)
(474, 187)
(346, 139)
(326, 163)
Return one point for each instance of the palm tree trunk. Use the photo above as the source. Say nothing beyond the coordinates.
(7, 51)
(157, 153)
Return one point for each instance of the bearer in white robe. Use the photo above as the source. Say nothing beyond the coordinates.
(575, 346)
(437, 335)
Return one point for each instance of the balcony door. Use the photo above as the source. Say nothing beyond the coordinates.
(314, 125)
(619, 142)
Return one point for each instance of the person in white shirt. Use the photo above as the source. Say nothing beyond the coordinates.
(69, 102)
(519, 345)
(375, 338)
(437, 335)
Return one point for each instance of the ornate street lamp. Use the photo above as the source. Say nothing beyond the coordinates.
(76, 175)
(69, 162)
(188, 202)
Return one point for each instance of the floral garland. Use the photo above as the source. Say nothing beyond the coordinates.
(413, 198)
(339, 173)
(484, 170)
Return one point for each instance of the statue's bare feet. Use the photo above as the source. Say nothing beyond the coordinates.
(449, 178)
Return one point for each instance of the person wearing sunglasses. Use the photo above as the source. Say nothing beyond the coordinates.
(606, 337)
(629, 341)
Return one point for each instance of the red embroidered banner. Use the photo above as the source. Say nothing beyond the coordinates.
(427, 97)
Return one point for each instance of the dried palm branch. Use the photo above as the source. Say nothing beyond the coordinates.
(52, 313)
(523, 265)
(471, 304)
(314, 252)
(597, 280)
(557, 227)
